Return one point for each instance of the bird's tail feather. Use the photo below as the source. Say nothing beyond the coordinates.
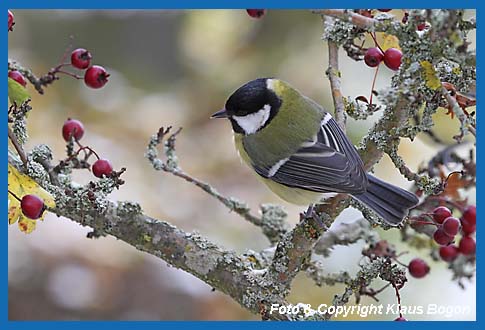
(390, 202)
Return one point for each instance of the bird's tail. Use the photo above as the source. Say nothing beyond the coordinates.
(390, 202)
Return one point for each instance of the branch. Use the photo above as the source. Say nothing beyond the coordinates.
(460, 114)
(333, 74)
(344, 14)
(345, 234)
(273, 217)
(17, 146)
(294, 250)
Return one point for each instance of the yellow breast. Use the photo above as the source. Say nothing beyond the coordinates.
(291, 195)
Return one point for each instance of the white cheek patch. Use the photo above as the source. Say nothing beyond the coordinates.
(253, 122)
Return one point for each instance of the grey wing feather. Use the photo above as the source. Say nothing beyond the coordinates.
(330, 163)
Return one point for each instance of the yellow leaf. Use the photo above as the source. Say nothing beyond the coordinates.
(432, 80)
(389, 41)
(20, 185)
(27, 225)
(14, 211)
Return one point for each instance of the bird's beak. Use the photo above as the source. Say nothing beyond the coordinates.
(220, 114)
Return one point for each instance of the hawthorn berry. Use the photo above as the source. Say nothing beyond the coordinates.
(441, 237)
(418, 268)
(421, 26)
(400, 319)
(96, 76)
(441, 213)
(256, 13)
(32, 206)
(451, 226)
(467, 245)
(392, 58)
(468, 229)
(74, 128)
(448, 253)
(10, 21)
(470, 215)
(102, 167)
(18, 77)
(81, 58)
(373, 57)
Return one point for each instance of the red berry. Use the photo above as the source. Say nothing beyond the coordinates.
(467, 245)
(74, 128)
(405, 18)
(102, 167)
(256, 13)
(384, 10)
(10, 21)
(18, 77)
(441, 213)
(470, 215)
(451, 226)
(448, 253)
(400, 318)
(468, 229)
(441, 237)
(421, 27)
(32, 206)
(96, 76)
(373, 57)
(418, 268)
(80, 58)
(392, 58)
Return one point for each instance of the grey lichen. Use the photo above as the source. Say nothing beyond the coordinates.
(273, 222)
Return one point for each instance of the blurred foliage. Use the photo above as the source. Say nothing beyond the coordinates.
(172, 67)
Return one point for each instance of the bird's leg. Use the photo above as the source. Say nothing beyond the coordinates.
(310, 213)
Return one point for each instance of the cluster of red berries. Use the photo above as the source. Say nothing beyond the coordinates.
(391, 57)
(256, 13)
(95, 76)
(73, 128)
(447, 227)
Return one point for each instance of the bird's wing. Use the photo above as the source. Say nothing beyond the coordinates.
(329, 163)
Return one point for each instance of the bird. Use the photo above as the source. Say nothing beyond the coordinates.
(299, 151)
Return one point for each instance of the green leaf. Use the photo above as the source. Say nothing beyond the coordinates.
(17, 93)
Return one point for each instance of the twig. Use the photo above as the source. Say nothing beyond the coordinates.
(333, 74)
(294, 250)
(459, 113)
(171, 166)
(356, 19)
(17, 146)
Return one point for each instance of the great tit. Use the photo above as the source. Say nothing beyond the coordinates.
(300, 153)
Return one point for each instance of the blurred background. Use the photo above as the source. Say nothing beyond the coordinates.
(176, 68)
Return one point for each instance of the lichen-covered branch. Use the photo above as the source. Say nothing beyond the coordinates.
(333, 74)
(273, 219)
(349, 16)
(345, 234)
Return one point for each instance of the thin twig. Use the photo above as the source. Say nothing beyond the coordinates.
(171, 166)
(17, 146)
(356, 19)
(333, 74)
(459, 113)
